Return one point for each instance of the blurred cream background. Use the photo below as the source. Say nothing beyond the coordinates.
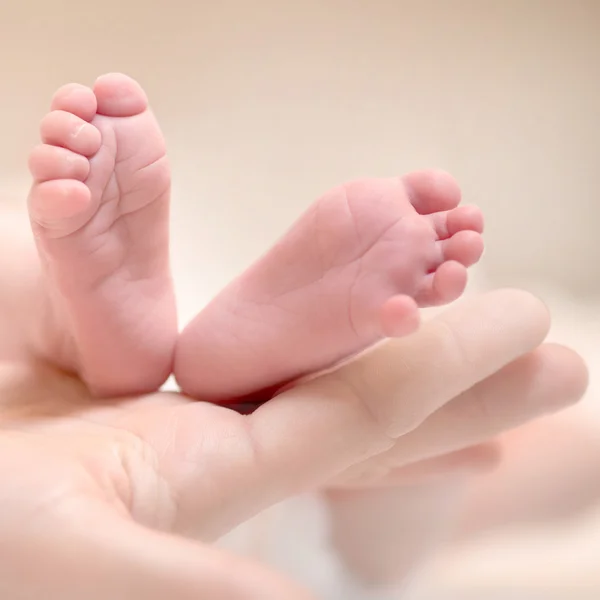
(266, 104)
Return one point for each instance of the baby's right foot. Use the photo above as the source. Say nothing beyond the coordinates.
(351, 271)
(99, 210)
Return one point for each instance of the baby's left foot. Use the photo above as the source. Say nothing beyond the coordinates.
(99, 211)
(351, 271)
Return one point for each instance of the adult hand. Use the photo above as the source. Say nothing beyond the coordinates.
(93, 494)
(389, 513)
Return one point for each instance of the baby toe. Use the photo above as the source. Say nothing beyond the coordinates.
(48, 162)
(464, 247)
(67, 130)
(462, 218)
(444, 285)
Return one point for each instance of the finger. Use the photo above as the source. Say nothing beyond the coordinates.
(473, 460)
(305, 436)
(552, 462)
(101, 556)
(308, 435)
(386, 535)
(468, 461)
(158, 566)
(544, 381)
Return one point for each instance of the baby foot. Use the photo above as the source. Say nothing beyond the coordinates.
(352, 270)
(99, 211)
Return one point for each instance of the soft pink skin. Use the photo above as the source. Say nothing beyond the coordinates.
(98, 498)
(352, 270)
(99, 210)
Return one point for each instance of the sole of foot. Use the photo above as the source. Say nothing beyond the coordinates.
(353, 270)
(99, 209)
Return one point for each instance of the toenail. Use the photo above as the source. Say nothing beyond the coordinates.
(79, 130)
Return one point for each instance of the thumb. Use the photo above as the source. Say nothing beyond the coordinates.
(104, 555)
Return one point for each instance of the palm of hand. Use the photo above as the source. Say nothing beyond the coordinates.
(154, 459)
